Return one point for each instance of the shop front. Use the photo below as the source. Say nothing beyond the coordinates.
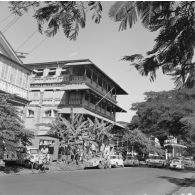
(51, 143)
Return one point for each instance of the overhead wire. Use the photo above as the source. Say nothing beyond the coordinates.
(5, 18)
(27, 39)
(10, 24)
(36, 46)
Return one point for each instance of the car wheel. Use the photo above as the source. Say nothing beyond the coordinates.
(36, 165)
(100, 166)
(27, 164)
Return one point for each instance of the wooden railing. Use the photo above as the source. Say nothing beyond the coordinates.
(76, 80)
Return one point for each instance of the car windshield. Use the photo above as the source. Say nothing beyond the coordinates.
(131, 158)
(33, 151)
(176, 160)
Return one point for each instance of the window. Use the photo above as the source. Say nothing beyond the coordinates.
(100, 82)
(74, 98)
(39, 72)
(34, 95)
(109, 108)
(48, 113)
(109, 88)
(78, 71)
(30, 113)
(52, 72)
(95, 78)
(64, 71)
(48, 95)
(87, 97)
(93, 99)
(55, 113)
(88, 73)
(104, 85)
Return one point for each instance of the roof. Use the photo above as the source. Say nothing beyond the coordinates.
(8, 52)
(8, 49)
(81, 62)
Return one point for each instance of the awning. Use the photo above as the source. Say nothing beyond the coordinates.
(176, 145)
(85, 111)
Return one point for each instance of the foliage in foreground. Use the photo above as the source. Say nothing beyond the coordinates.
(174, 46)
(173, 50)
(11, 124)
(52, 16)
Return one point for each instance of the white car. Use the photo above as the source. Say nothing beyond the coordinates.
(98, 162)
(177, 164)
(156, 161)
(116, 161)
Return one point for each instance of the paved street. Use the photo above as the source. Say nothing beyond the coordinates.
(121, 181)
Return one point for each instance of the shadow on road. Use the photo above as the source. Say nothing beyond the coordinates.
(11, 169)
(184, 182)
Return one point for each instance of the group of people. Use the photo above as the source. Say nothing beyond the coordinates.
(44, 158)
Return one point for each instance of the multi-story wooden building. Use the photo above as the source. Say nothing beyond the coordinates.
(14, 76)
(77, 86)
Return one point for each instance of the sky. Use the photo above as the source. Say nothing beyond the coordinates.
(102, 43)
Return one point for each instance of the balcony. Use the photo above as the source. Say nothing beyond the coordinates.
(74, 80)
(99, 111)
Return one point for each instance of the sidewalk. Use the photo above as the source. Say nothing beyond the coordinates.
(53, 167)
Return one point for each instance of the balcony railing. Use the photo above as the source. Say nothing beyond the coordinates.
(99, 110)
(47, 101)
(74, 80)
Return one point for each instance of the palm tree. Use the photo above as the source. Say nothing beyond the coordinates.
(69, 131)
(174, 48)
(99, 132)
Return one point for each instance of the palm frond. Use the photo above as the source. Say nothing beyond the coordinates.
(125, 13)
(133, 57)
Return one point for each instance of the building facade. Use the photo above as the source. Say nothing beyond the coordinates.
(14, 76)
(62, 87)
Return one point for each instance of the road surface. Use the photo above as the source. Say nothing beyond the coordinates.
(118, 181)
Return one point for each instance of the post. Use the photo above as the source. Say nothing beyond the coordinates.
(132, 153)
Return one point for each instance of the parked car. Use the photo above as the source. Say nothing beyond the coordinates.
(116, 161)
(97, 162)
(156, 161)
(176, 163)
(188, 162)
(28, 156)
(131, 161)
